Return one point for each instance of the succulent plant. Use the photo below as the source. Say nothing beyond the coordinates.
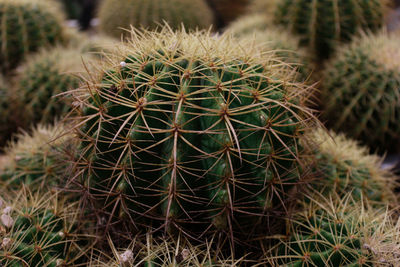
(26, 26)
(339, 232)
(342, 165)
(191, 129)
(361, 91)
(152, 13)
(38, 159)
(323, 25)
(42, 81)
(273, 39)
(38, 230)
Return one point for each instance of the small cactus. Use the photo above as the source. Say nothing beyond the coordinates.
(191, 128)
(361, 91)
(27, 26)
(117, 14)
(323, 24)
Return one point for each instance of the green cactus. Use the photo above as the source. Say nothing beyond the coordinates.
(342, 165)
(190, 128)
(286, 47)
(38, 230)
(38, 159)
(117, 14)
(324, 24)
(26, 26)
(43, 78)
(361, 91)
(339, 232)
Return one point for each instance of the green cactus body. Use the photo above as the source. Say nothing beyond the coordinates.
(39, 231)
(152, 13)
(38, 159)
(26, 26)
(361, 92)
(193, 134)
(342, 166)
(43, 78)
(322, 25)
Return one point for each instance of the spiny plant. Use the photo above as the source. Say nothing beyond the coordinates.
(151, 13)
(26, 26)
(284, 45)
(361, 91)
(339, 232)
(190, 129)
(323, 25)
(43, 79)
(158, 252)
(39, 230)
(38, 159)
(342, 165)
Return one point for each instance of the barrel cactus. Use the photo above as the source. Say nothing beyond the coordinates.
(43, 78)
(339, 232)
(38, 159)
(342, 165)
(190, 128)
(26, 26)
(361, 91)
(322, 25)
(38, 230)
(152, 13)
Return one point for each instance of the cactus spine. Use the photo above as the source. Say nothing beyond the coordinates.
(26, 26)
(322, 25)
(196, 132)
(152, 13)
(361, 91)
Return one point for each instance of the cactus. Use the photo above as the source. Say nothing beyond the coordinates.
(38, 230)
(286, 46)
(26, 26)
(117, 14)
(38, 159)
(342, 165)
(43, 78)
(339, 232)
(322, 25)
(360, 91)
(190, 128)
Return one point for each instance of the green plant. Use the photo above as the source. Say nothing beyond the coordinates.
(191, 129)
(152, 13)
(342, 165)
(361, 91)
(38, 159)
(339, 232)
(42, 82)
(38, 230)
(323, 25)
(26, 26)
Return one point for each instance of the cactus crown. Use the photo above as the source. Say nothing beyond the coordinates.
(191, 128)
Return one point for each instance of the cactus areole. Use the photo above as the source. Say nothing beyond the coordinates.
(190, 128)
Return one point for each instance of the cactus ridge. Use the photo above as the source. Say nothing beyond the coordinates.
(363, 82)
(180, 134)
(322, 25)
(27, 26)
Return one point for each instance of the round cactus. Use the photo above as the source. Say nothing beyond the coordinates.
(117, 14)
(42, 79)
(342, 165)
(189, 128)
(26, 26)
(38, 159)
(361, 91)
(38, 230)
(249, 24)
(339, 232)
(322, 25)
